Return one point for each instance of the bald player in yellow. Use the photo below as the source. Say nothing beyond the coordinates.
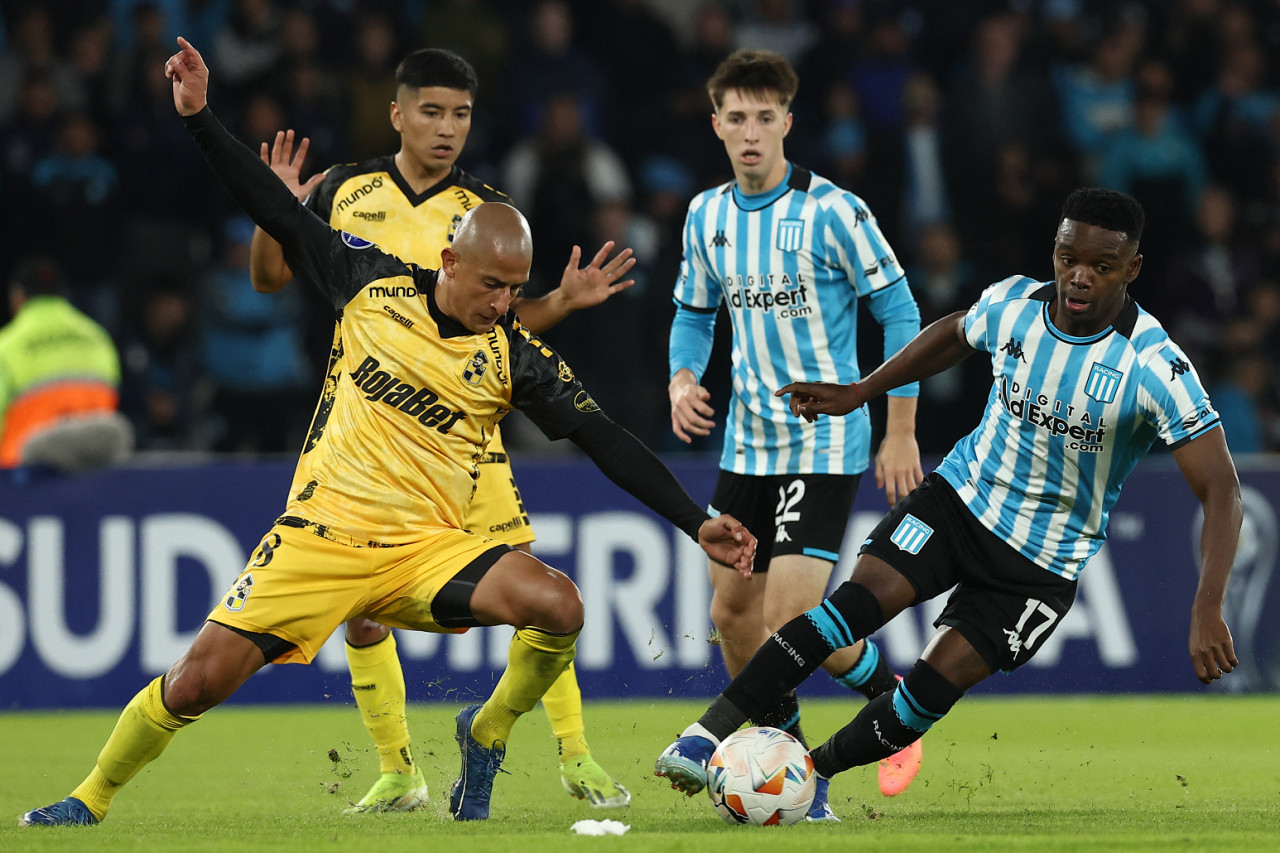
(373, 523)
(409, 204)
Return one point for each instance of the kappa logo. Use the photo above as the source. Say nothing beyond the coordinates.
(720, 241)
(1014, 350)
(1015, 642)
(1178, 366)
(474, 371)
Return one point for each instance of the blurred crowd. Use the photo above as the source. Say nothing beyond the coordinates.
(962, 124)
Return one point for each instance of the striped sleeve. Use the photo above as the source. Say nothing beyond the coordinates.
(1174, 399)
(854, 243)
(698, 287)
(977, 329)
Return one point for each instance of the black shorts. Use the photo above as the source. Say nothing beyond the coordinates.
(1005, 605)
(789, 513)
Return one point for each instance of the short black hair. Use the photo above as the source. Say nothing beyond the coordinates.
(433, 66)
(755, 72)
(38, 276)
(1104, 208)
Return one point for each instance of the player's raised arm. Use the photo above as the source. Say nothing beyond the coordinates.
(249, 180)
(1206, 465)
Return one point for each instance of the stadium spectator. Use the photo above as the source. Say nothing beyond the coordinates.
(77, 187)
(413, 203)
(441, 577)
(366, 83)
(59, 379)
(742, 246)
(546, 65)
(1207, 279)
(560, 177)
(31, 50)
(1012, 516)
(161, 390)
(253, 354)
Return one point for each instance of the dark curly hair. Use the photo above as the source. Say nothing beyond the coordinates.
(1107, 209)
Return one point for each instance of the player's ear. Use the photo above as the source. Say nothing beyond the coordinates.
(448, 261)
(1135, 267)
(786, 124)
(397, 119)
(715, 125)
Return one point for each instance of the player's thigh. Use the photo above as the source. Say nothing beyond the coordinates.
(521, 590)
(429, 584)
(795, 583)
(735, 599)
(497, 510)
(298, 587)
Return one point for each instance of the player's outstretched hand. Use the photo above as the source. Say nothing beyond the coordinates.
(690, 410)
(1213, 654)
(190, 78)
(590, 285)
(810, 399)
(726, 541)
(287, 164)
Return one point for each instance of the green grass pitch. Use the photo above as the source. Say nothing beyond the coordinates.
(1050, 773)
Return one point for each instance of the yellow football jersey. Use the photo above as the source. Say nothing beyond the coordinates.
(414, 399)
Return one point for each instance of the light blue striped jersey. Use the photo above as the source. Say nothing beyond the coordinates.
(1066, 421)
(789, 265)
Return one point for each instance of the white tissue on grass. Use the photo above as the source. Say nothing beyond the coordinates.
(600, 827)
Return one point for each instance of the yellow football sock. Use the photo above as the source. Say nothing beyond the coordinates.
(377, 681)
(563, 704)
(143, 731)
(535, 660)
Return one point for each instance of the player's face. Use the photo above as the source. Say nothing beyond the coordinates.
(433, 123)
(752, 128)
(478, 291)
(1092, 267)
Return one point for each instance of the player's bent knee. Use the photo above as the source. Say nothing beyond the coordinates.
(556, 607)
(365, 632)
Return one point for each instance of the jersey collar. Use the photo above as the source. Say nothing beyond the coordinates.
(415, 199)
(759, 201)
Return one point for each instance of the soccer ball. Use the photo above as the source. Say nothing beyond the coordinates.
(761, 776)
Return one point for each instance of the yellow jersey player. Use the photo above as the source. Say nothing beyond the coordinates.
(430, 362)
(409, 204)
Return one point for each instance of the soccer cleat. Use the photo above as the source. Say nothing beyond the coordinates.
(820, 809)
(685, 763)
(585, 779)
(898, 770)
(394, 792)
(469, 797)
(68, 812)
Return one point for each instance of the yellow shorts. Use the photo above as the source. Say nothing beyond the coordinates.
(300, 586)
(496, 509)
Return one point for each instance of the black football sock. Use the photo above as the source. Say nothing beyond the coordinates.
(785, 715)
(871, 675)
(889, 723)
(793, 653)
